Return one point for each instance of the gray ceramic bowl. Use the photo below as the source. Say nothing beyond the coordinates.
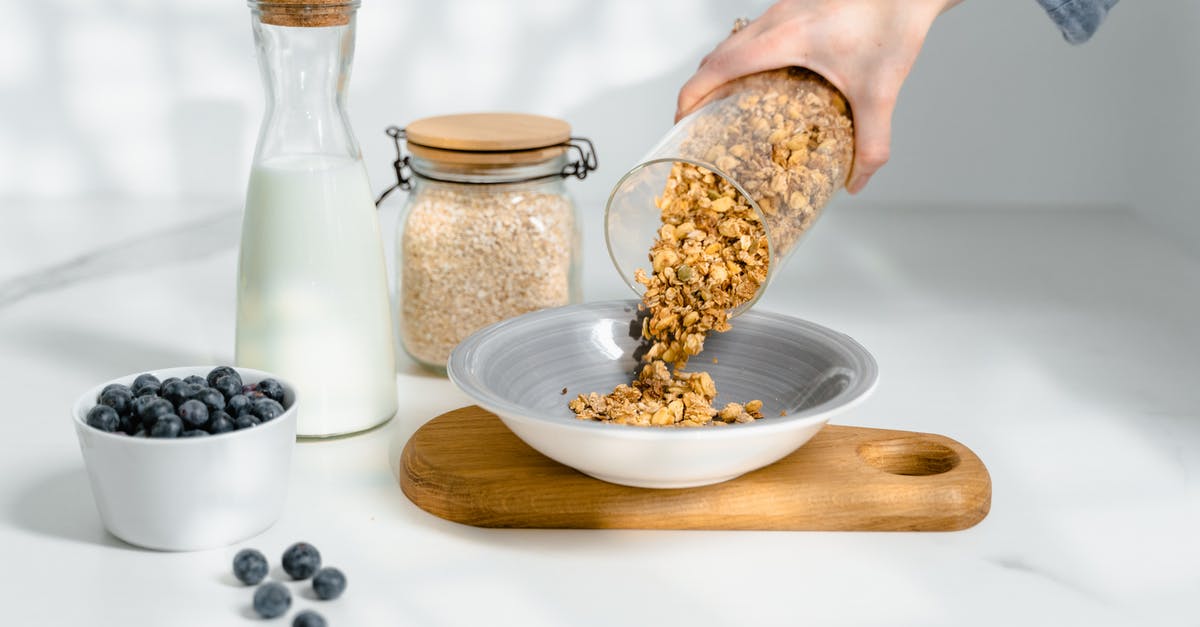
(518, 368)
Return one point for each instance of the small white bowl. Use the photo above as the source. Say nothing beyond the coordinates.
(187, 494)
(518, 369)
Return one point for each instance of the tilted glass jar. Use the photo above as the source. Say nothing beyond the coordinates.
(782, 140)
(488, 230)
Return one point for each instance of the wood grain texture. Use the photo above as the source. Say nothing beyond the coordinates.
(488, 131)
(466, 466)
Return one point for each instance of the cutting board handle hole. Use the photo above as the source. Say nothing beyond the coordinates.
(910, 456)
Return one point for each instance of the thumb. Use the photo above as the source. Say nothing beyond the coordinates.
(872, 138)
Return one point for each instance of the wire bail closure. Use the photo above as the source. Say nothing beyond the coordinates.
(578, 168)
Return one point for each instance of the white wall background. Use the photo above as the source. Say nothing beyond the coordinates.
(160, 99)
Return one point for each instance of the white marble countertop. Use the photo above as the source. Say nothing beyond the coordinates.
(1060, 345)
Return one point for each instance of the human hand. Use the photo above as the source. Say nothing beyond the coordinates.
(865, 48)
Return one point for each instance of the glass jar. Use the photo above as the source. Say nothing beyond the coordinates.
(488, 230)
(312, 283)
(779, 143)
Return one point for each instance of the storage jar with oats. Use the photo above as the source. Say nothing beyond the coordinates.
(488, 230)
(732, 187)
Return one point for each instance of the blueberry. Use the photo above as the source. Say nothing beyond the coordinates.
(145, 383)
(271, 389)
(249, 566)
(194, 413)
(140, 433)
(211, 398)
(222, 371)
(245, 422)
(196, 380)
(220, 422)
(104, 418)
(192, 390)
(115, 386)
(308, 618)
(266, 409)
(329, 583)
(194, 433)
(120, 399)
(272, 599)
(174, 390)
(171, 380)
(169, 426)
(228, 386)
(129, 425)
(155, 408)
(237, 405)
(301, 560)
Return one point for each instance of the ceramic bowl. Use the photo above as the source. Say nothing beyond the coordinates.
(186, 494)
(804, 373)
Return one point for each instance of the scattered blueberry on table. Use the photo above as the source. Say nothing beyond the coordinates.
(329, 583)
(308, 618)
(190, 407)
(301, 560)
(250, 566)
(271, 600)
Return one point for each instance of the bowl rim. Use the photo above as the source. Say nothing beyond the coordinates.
(89, 399)
(457, 368)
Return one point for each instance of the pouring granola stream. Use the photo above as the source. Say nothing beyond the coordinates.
(749, 173)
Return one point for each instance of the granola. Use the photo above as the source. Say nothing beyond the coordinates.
(786, 137)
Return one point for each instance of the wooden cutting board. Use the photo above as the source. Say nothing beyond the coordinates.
(466, 466)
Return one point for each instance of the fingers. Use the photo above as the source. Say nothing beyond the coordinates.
(872, 137)
(729, 60)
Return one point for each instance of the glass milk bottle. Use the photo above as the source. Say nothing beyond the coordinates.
(313, 301)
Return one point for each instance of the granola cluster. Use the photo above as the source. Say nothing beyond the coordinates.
(787, 138)
(661, 397)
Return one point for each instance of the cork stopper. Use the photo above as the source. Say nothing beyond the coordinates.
(306, 13)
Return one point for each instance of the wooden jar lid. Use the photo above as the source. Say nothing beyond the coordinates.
(306, 13)
(488, 138)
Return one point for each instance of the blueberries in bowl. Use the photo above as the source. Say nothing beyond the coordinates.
(266, 409)
(118, 398)
(194, 413)
(212, 399)
(228, 385)
(271, 389)
(191, 407)
(237, 405)
(154, 408)
(104, 418)
(169, 426)
(145, 384)
(222, 371)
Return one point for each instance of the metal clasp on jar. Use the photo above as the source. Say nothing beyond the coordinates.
(578, 168)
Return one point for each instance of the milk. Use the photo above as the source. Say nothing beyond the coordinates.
(312, 291)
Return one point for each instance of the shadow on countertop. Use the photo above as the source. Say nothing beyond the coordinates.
(60, 505)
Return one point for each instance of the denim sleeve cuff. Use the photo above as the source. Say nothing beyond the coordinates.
(1077, 19)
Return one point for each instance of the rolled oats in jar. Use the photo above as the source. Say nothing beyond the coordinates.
(488, 230)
